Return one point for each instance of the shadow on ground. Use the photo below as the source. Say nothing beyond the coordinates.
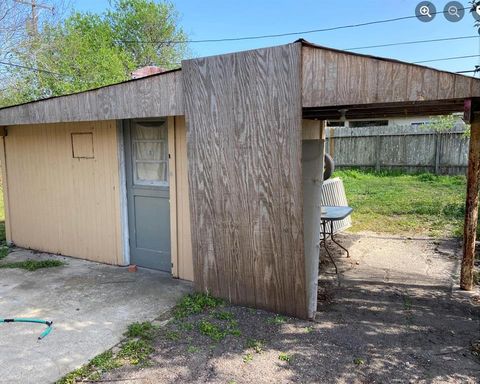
(393, 315)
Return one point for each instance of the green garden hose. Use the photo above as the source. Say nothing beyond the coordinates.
(28, 320)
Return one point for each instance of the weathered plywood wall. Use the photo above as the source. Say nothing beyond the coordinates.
(243, 114)
(335, 78)
(153, 96)
(62, 204)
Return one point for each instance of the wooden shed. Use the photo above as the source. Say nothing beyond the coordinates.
(212, 173)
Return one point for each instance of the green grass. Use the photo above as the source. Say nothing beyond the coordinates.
(138, 345)
(104, 362)
(192, 349)
(389, 202)
(186, 326)
(247, 358)
(136, 352)
(277, 319)
(222, 324)
(218, 332)
(211, 330)
(256, 345)
(309, 329)
(224, 315)
(4, 251)
(145, 330)
(195, 303)
(173, 335)
(285, 357)
(75, 376)
(33, 265)
(358, 361)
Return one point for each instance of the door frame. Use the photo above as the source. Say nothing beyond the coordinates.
(172, 190)
(122, 170)
(172, 181)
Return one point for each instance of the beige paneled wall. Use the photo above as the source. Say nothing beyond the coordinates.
(63, 204)
(184, 248)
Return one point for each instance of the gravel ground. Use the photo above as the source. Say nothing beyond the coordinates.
(392, 315)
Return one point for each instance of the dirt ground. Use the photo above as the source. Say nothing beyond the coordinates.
(393, 315)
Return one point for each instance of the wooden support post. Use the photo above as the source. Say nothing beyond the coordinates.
(172, 177)
(471, 209)
(313, 152)
(331, 141)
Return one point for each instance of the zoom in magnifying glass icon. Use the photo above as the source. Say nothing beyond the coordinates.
(425, 11)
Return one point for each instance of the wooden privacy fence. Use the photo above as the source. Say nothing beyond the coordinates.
(405, 148)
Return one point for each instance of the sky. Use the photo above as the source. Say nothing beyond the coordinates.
(226, 19)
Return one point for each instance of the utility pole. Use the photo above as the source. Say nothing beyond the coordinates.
(34, 21)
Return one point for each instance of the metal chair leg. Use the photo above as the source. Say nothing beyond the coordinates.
(324, 242)
(336, 242)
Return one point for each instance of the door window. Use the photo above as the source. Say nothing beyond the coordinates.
(150, 153)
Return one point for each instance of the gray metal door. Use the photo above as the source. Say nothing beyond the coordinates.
(146, 158)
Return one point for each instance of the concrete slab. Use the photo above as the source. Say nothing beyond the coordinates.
(90, 304)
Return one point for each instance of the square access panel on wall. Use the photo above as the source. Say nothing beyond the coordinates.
(82, 145)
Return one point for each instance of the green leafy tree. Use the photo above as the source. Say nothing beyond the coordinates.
(78, 54)
(445, 123)
(152, 41)
(16, 27)
(88, 50)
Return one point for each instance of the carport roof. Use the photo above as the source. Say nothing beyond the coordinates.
(335, 83)
(345, 84)
(151, 96)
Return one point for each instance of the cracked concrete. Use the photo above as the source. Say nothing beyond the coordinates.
(90, 304)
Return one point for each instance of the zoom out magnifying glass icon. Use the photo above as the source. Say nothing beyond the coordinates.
(453, 11)
(425, 11)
